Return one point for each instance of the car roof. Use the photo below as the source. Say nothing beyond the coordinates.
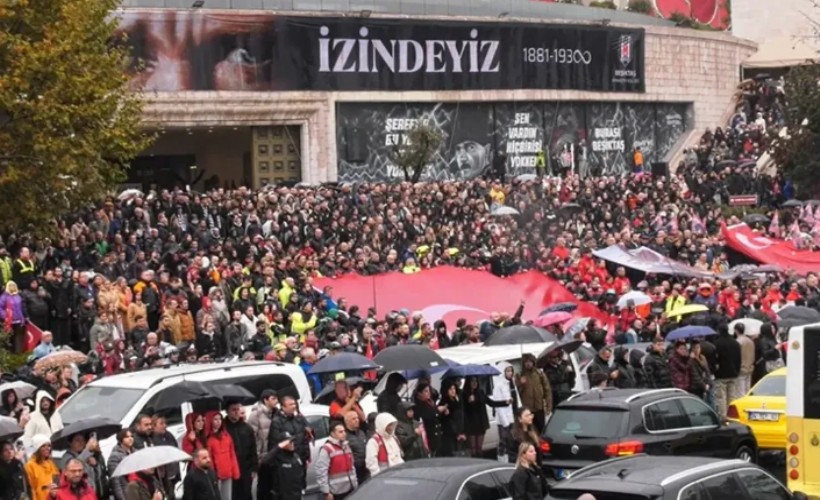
(443, 469)
(481, 354)
(145, 379)
(644, 474)
(619, 398)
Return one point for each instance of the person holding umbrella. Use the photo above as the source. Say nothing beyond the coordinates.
(144, 485)
(74, 483)
(13, 485)
(41, 471)
(200, 481)
(87, 452)
(346, 400)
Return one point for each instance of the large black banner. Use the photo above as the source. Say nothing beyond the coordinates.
(592, 138)
(192, 50)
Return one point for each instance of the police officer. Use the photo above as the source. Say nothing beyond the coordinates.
(286, 467)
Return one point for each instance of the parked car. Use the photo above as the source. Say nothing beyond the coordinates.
(440, 479)
(643, 477)
(764, 410)
(604, 423)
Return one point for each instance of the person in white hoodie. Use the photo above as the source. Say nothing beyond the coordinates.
(383, 449)
(44, 419)
(504, 391)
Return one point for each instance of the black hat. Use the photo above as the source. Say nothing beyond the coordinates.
(268, 393)
(285, 436)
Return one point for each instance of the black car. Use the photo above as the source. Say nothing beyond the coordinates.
(440, 479)
(604, 423)
(642, 477)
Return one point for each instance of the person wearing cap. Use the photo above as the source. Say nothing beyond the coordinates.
(286, 470)
(41, 471)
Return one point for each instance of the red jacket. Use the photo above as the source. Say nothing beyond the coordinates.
(189, 446)
(223, 455)
(65, 492)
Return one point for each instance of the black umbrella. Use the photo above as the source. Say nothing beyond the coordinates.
(9, 429)
(756, 219)
(408, 357)
(792, 204)
(792, 322)
(800, 312)
(103, 427)
(182, 392)
(232, 393)
(567, 347)
(343, 362)
(520, 334)
(571, 208)
(560, 307)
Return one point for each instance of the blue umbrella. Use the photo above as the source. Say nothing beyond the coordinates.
(688, 332)
(471, 370)
(344, 362)
(560, 307)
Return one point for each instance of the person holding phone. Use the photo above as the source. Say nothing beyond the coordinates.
(41, 471)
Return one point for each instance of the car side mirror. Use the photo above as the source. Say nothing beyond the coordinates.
(798, 495)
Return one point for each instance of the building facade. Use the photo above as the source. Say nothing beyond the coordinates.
(250, 97)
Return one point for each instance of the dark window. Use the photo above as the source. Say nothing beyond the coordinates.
(664, 416)
(585, 422)
(503, 478)
(482, 487)
(279, 382)
(320, 425)
(399, 488)
(698, 413)
(762, 486)
(722, 487)
(811, 373)
(692, 492)
(172, 415)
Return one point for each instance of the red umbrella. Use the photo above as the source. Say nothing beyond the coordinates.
(552, 318)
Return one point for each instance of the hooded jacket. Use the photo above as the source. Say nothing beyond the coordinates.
(39, 424)
(383, 448)
(626, 373)
(536, 393)
(200, 441)
(504, 389)
(413, 446)
(223, 454)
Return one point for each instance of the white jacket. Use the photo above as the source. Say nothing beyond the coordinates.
(38, 424)
(389, 441)
(501, 392)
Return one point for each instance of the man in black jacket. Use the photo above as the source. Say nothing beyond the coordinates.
(200, 481)
(244, 443)
(288, 469)
(728, 369)
(143, 428)
(656, 367)
(289, 420)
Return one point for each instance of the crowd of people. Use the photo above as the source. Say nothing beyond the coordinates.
(185, 277)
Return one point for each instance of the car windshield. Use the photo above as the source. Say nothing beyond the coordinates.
(399, 488)
(100, 401)
(770, 386)
(580, 423)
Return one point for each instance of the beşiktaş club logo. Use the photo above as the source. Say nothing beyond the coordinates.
(366, 55)
(625, 46)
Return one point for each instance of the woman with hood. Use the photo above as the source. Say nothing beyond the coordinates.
(13, 315)
(626, 374)
(411, 434)
(476, 421)
(223, 454)
(124, 447)
(389, 399)
(453, 437)
(504, 391)
(44, 420)
(383, 449)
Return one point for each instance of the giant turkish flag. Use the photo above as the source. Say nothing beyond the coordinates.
(450, 293)
(769, 250)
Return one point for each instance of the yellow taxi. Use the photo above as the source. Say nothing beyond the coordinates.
(764, 410)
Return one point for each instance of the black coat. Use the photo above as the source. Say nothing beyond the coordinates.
(765, 350)
(728, 357)
(287, 470)
(244, 443)
(528, 484)
(476, 421)
(12, 480)
(296, 426)
(656, 371)
(200, 485)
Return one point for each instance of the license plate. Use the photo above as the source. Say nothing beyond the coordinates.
(562, 473)
(763, 416)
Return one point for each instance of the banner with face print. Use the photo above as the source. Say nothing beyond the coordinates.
(177, 50)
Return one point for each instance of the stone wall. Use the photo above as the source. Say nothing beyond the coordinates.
(682, 66)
